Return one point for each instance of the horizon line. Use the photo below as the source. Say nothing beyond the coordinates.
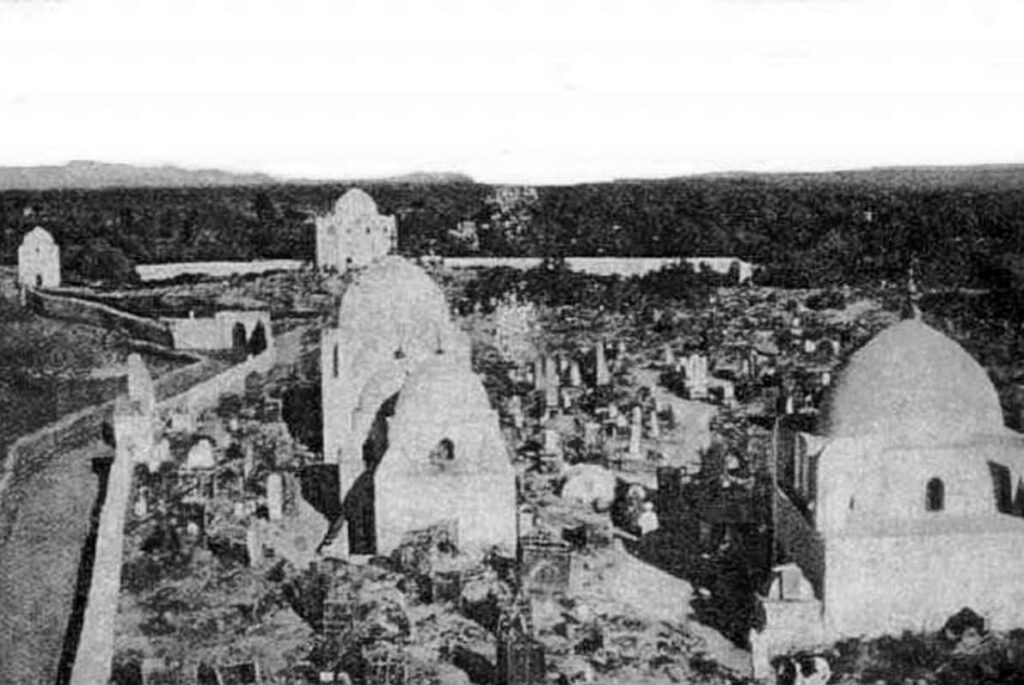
(298, 178)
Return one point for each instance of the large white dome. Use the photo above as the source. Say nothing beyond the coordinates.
(355, 203)
(912, 384)
(395, 299)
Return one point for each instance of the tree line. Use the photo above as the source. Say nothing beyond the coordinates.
(802, 231)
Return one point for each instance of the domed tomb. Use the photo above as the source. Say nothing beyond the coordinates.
(447, 461)
(392, 318)
(913, 385)
(354, 234)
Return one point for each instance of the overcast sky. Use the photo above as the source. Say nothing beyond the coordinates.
(518, 90)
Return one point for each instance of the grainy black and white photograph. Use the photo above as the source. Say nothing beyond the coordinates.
(511, 343)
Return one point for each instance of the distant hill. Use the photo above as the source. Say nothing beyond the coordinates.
(995, 176)
(90, 175)
(425, 178)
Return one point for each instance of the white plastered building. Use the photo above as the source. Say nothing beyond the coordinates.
(354, 234)
(396, 382)
(916, 503)
(38, 260)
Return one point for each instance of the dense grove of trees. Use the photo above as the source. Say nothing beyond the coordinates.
(805, 232)
(554, 285)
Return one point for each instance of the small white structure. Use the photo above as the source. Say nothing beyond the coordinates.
(355, 234)
(38, 260)
(200, 456)
(225, 330)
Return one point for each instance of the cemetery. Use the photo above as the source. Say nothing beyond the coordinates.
(411, 481)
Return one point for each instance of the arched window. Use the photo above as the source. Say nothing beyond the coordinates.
(935, 495)
(443, 453)
(334, 361)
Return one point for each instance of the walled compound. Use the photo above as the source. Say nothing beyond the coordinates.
(225, 330)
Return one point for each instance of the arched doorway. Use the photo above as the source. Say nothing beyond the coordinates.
(238, 338)
(258, 339)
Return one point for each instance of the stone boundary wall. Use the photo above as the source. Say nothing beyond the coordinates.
(87, 311)
(30, 452)
(160, 272)
(198, 386)
(605, 266)
(601, 266)
(96, 638)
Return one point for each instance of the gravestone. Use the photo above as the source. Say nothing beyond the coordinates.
(575, 377)
(516, 411)
(552, 442)
(669, 358)
(275, 497)
(545, 564)
(567, 399)
(550, 384)
(601, 375)
(635, 434)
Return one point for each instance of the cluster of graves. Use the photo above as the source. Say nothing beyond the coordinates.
(679, 409)
(672, 421)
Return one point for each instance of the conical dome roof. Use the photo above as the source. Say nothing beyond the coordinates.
(912, 384)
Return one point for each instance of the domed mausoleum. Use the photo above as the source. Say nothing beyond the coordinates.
(397, 391)
(916, 501)
(354, 234)
(446, 462)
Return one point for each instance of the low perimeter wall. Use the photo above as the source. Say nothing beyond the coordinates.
(196, 387)
(86, 311)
